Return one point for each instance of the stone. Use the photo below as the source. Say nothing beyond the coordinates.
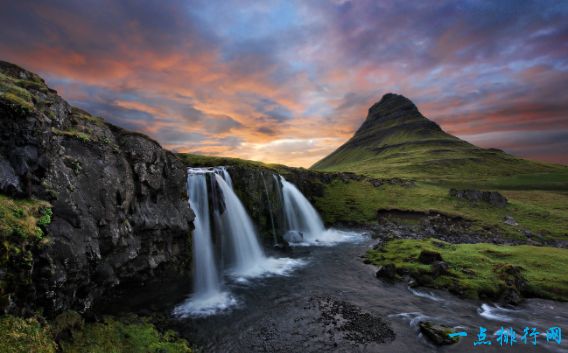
(283, 247)
(294, 236)
(429, 257)
(387, 272)
(509, 220)
(493, 198)
(439, 268)
(9, 182)
(437, 334)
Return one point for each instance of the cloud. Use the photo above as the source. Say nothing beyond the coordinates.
(261, 80)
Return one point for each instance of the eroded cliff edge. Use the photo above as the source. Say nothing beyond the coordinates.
(119, 201)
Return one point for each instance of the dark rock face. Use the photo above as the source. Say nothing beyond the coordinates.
(120, 211)
(491, 197)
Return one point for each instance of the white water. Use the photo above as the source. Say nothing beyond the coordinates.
(239, 240)
(300, 214)
(302, 217)
(208, 296)
(240, 231)
(248, 256)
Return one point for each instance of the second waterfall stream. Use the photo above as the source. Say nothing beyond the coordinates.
(226, 244)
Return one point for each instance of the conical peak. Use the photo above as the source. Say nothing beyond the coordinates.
(390, 102)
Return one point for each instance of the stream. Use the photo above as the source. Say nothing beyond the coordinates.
(334, 303)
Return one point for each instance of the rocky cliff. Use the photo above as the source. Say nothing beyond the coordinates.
(119, 202)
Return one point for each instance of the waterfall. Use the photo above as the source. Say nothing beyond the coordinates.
(300, 215)
(269, 211)
(238, 241)
(206, 279)
(208, 296)
(247, 254)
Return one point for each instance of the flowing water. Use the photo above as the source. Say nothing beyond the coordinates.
(324, 298)
(208, 296)
(240, 253)
(283, 313)
(304, 224)
(300, 214)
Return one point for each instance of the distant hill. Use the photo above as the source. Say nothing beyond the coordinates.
(396, 140)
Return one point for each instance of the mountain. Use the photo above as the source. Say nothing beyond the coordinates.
(396, 140)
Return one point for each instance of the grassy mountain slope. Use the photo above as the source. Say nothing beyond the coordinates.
(396, 140)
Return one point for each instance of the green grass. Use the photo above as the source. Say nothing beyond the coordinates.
(18, 335)
(440, 163)
(540, 212)
(15, 96)
(83, 116)
(79, 135)
(134, 335)
(197, 160)
(112, 336)
(475, 268)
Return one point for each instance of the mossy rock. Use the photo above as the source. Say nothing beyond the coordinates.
(438, 334)
(18, 335)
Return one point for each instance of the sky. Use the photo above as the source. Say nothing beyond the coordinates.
(289, 81)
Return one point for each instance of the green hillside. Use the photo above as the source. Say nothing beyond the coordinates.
(396, 140)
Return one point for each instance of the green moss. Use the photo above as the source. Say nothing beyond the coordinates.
(13, 95)
(112, 336)
(477, 270)
(33, 85)
(83, 116)
(19, 335)
(17, 102)
(79, 135)
(45, 218)
(21, 223)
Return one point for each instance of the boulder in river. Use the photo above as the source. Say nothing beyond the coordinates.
(294, 236)
(437, 334)
(387, 271)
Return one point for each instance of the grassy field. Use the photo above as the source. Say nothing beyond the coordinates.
(541, 212)
(479, 270)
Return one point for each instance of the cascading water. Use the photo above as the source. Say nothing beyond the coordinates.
(247, 254)
(237, 233)
(208, 296)
(206, 279)
(300, 215)
(304, 224)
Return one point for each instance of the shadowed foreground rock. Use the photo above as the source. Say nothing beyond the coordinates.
(120, 211)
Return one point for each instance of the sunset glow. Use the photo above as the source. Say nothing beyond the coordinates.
(290, 81)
